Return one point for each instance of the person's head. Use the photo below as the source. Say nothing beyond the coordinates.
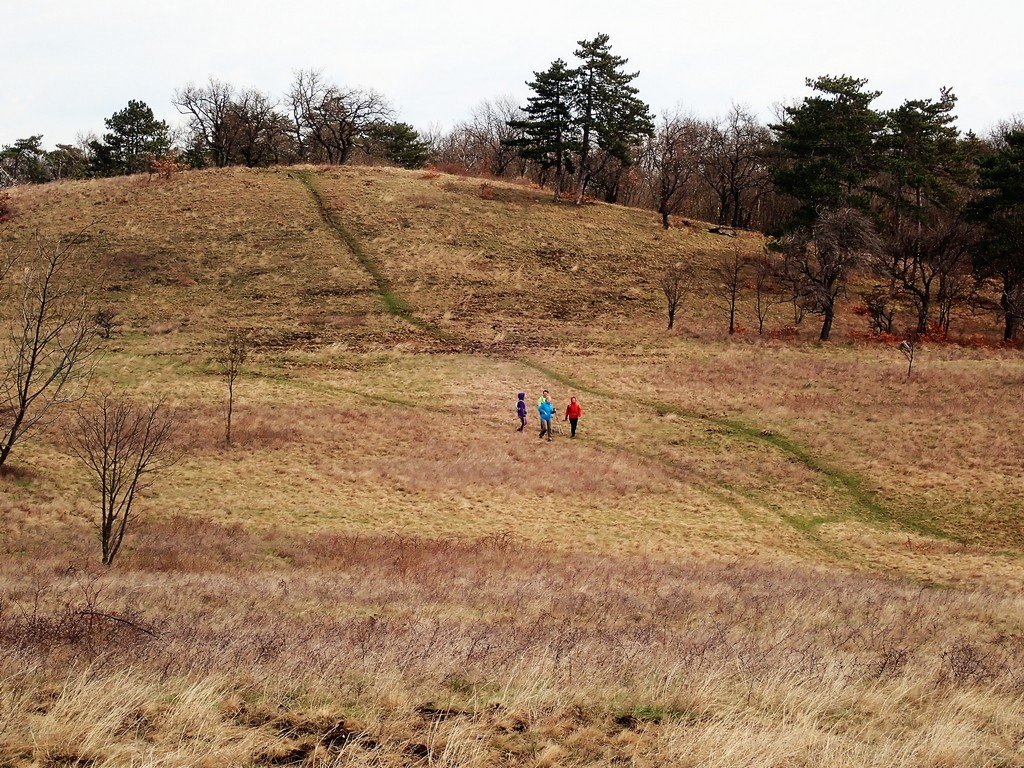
(545, 393)
(572, 399)
(522, 395)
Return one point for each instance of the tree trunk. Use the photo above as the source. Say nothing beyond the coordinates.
(664, 219)
(826, 326)
(1012, 323)
(581, 187)
(1010, 331)
(922, 316)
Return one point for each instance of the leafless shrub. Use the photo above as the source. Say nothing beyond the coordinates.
(123, 445)
(107, 322)
(880, 309)
(963, 663)
(84, 620)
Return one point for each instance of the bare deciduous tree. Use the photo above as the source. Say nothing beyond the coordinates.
(210, 109)
(908, 347)
(927, 259)
(729, 271)
(51, 337)
(767, 293)
(260, 132)
(671, 163)
(486, 143)
(330, 119)
(491, 132)
(674, 283)
(819, 259)
(734, 166)
(124, 445)
(235, 353)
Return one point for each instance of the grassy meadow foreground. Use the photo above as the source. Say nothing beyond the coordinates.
(760, 552)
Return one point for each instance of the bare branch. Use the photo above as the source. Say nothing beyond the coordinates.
(50, 341)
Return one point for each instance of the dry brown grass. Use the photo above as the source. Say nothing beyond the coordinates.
(382, 572)
(224, 646)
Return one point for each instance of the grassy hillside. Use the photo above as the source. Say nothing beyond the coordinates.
(760, 551)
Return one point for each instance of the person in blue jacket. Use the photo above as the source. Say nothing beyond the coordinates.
(545, 410)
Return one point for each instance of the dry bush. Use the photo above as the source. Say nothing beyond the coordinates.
(107, 322)
(163, 167)
(6, 207)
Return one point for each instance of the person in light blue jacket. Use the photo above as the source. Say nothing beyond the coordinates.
(545, 410)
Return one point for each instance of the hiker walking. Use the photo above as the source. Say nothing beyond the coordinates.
(572, 415)
(546, 411)
(521, 411)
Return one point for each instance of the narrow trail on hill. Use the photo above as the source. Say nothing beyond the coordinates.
(871, 508)
(393, 303)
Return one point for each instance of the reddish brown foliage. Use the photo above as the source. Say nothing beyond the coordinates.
(6, 207)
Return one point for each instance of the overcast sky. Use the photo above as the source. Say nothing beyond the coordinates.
(67, 65)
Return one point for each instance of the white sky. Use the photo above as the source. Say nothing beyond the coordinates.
(67, 65)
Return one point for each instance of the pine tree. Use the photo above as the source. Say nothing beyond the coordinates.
(548, 131)
(133, 137)
(827, 147)
(398, 143)
(1001, 254)
(609, 114)
(921, 154)
(925, 169)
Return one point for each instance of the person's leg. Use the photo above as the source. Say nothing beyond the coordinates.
(522, 423)
(572, 426)
(549, 429)
(543, 423)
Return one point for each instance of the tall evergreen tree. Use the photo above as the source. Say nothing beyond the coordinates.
(608, 111)
(827, 147)
(133, 137)
(922, 157)
(925, 169)
(23, 162)
(547, 133)
(1001, 254)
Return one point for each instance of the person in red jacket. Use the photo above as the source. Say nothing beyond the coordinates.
(572, 415)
